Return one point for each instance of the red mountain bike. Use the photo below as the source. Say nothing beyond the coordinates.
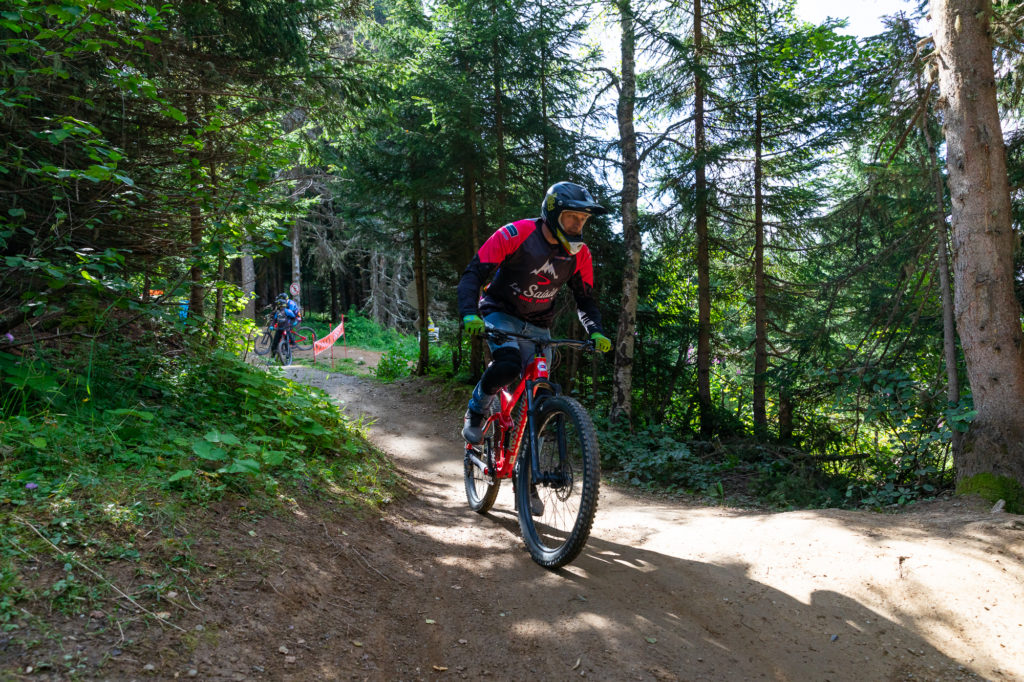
(561, 458)
(302, 337)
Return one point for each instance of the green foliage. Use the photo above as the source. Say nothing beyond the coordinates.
(993, 488)
(890, 483)
(784, 485)
(363, 332)
(102, 444)
(655, 460)
(202, 422)
(10, 590)
(393, 365)
(121, 174)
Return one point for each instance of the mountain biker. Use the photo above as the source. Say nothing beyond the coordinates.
(286, 316)
(530, 260)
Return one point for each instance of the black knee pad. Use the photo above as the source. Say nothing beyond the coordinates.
(502, 371)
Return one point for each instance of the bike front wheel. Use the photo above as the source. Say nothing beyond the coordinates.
(304, 337)
(284, 350)
(263, 343)
(569, 465)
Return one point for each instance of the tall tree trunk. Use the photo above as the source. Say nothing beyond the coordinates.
(545, 147)
(499, 123)
(785, 416)
(375, 286)
(248, 279)
(669, 389)
(297, 263)
(218, 315)
(476, 347)
(195, 219)
(945, 290)
(707, 411)
(195, 271)
(573, 360)
(622, 376)
(419, 268)
(987, 312)
(334, 297)
(760, 298)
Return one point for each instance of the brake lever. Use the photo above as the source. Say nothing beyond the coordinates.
(498, 335)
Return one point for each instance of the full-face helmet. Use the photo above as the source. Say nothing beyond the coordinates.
(568, 196)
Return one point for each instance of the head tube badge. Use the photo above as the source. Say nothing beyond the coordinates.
(542, 365)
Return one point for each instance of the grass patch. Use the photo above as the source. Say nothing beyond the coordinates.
(106, 447)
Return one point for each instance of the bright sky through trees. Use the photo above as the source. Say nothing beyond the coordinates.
(865, 16)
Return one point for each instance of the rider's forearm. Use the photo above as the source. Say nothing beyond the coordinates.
(473, 277)
(586, 305)
(589, 314)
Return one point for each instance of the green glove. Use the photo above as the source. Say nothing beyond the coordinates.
(601, 342)
(474, 324)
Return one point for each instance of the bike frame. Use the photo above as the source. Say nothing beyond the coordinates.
(274, 326)
(507, 435)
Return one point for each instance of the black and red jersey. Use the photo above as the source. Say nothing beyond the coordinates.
(527, 273)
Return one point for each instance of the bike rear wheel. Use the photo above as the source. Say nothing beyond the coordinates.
(263, 343)
(481, 487)
(284, 350)
(570, 472)
(304, 337)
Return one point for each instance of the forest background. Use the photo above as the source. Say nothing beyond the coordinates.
(802, 308)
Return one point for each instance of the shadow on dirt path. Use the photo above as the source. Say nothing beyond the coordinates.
(667, 590)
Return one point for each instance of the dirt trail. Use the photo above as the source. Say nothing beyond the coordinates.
(664, 590)
(671, 591)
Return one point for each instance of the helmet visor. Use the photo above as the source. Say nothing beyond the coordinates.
(585, 206)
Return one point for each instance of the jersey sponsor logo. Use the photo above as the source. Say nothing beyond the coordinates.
(547, 269)
(510, 231)
(533, 294)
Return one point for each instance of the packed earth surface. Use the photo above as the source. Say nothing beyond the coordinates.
(666, 589)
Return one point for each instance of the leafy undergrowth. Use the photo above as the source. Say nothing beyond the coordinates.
(107, 449)
(747, 473)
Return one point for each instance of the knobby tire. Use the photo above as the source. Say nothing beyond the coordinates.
(482, 488)
(284, 350)
(567, 447)
(263, 343)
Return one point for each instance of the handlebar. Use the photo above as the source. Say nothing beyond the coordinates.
(500, 336)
